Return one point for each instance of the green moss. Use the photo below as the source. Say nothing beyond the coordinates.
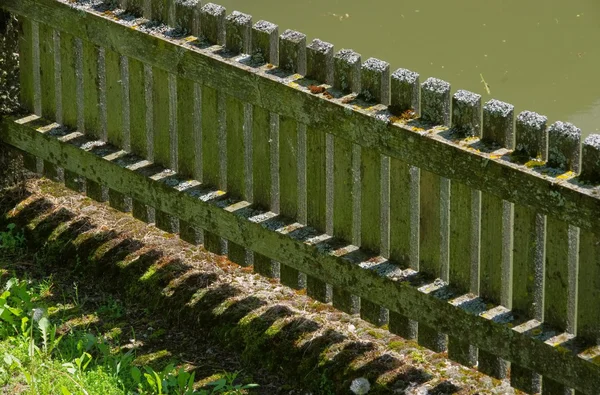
(149, 275)
(396, 345)
(148, 359)
(275, 328)
(417, 357)
(220, 309)
(376, 334)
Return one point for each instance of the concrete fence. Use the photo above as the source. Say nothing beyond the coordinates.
(424, 211)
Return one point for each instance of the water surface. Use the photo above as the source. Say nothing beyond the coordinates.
(539, 55)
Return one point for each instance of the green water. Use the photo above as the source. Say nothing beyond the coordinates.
(539, 55)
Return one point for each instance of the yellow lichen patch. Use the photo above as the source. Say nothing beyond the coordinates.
(534, 163)
(189, 39)
(293, 84)
(566, 176)
(82, 321)
(495, 156)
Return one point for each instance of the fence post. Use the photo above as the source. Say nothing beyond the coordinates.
(435, 109)
(466, 121)
(319, 66)
(292, 58)
(375, 87)
(529, 240)
(564, 154)
(498, 131)
(346, 79)
(404, 196)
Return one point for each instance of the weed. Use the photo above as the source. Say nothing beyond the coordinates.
(34, 356)
(11, 241)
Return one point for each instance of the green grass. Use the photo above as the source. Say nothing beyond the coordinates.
(45, 348)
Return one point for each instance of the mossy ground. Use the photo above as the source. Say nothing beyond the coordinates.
(182, 301)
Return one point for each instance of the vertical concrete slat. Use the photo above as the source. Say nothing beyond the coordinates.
(239, 32)
(262, 38)
(48, 84)
(187, 13)
(529, 245)
(138, 109)
(288, 186)
(374, 86)
(293, 59)
(292, 52)
(588, 314)
(212, 23)
(347, 65)
(405, 95)
(210, 155)
(92, 108)
(115, 117)
(212, 29)
(237, 40)
(405, 91)
(402, 234)
(162, 112)
(26, 53)
(319, 58)
(435, 109)
(497, 131)
(564, 154)
(26, 79)
(265, 43)
(69, 97)
(236, 175)
(263, 123)
(159, 10)
(466, 121)
(187, 145)
(136, 7)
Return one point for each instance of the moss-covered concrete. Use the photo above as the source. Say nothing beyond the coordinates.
(271, 328)
(416, 297)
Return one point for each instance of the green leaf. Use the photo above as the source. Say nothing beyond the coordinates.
(150, 380)
(190, 384)
(158, 383)
(64, 390)
(218, 384)
(136, 374)
(70, 367)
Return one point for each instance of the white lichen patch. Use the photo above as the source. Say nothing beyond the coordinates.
(532, 120)
(213, 9)
(375, 65)
(436, 85)
(239, 18)
(348, 56)
(498, 108)
(320, 46)
(467, 98)
(405, 76)
(265, 26)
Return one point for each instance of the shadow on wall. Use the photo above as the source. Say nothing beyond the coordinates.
(205, 306)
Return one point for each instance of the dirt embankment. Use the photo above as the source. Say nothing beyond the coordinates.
(214, 311)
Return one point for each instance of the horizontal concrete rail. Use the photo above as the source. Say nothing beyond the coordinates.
(563, 198)
(528, 343)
